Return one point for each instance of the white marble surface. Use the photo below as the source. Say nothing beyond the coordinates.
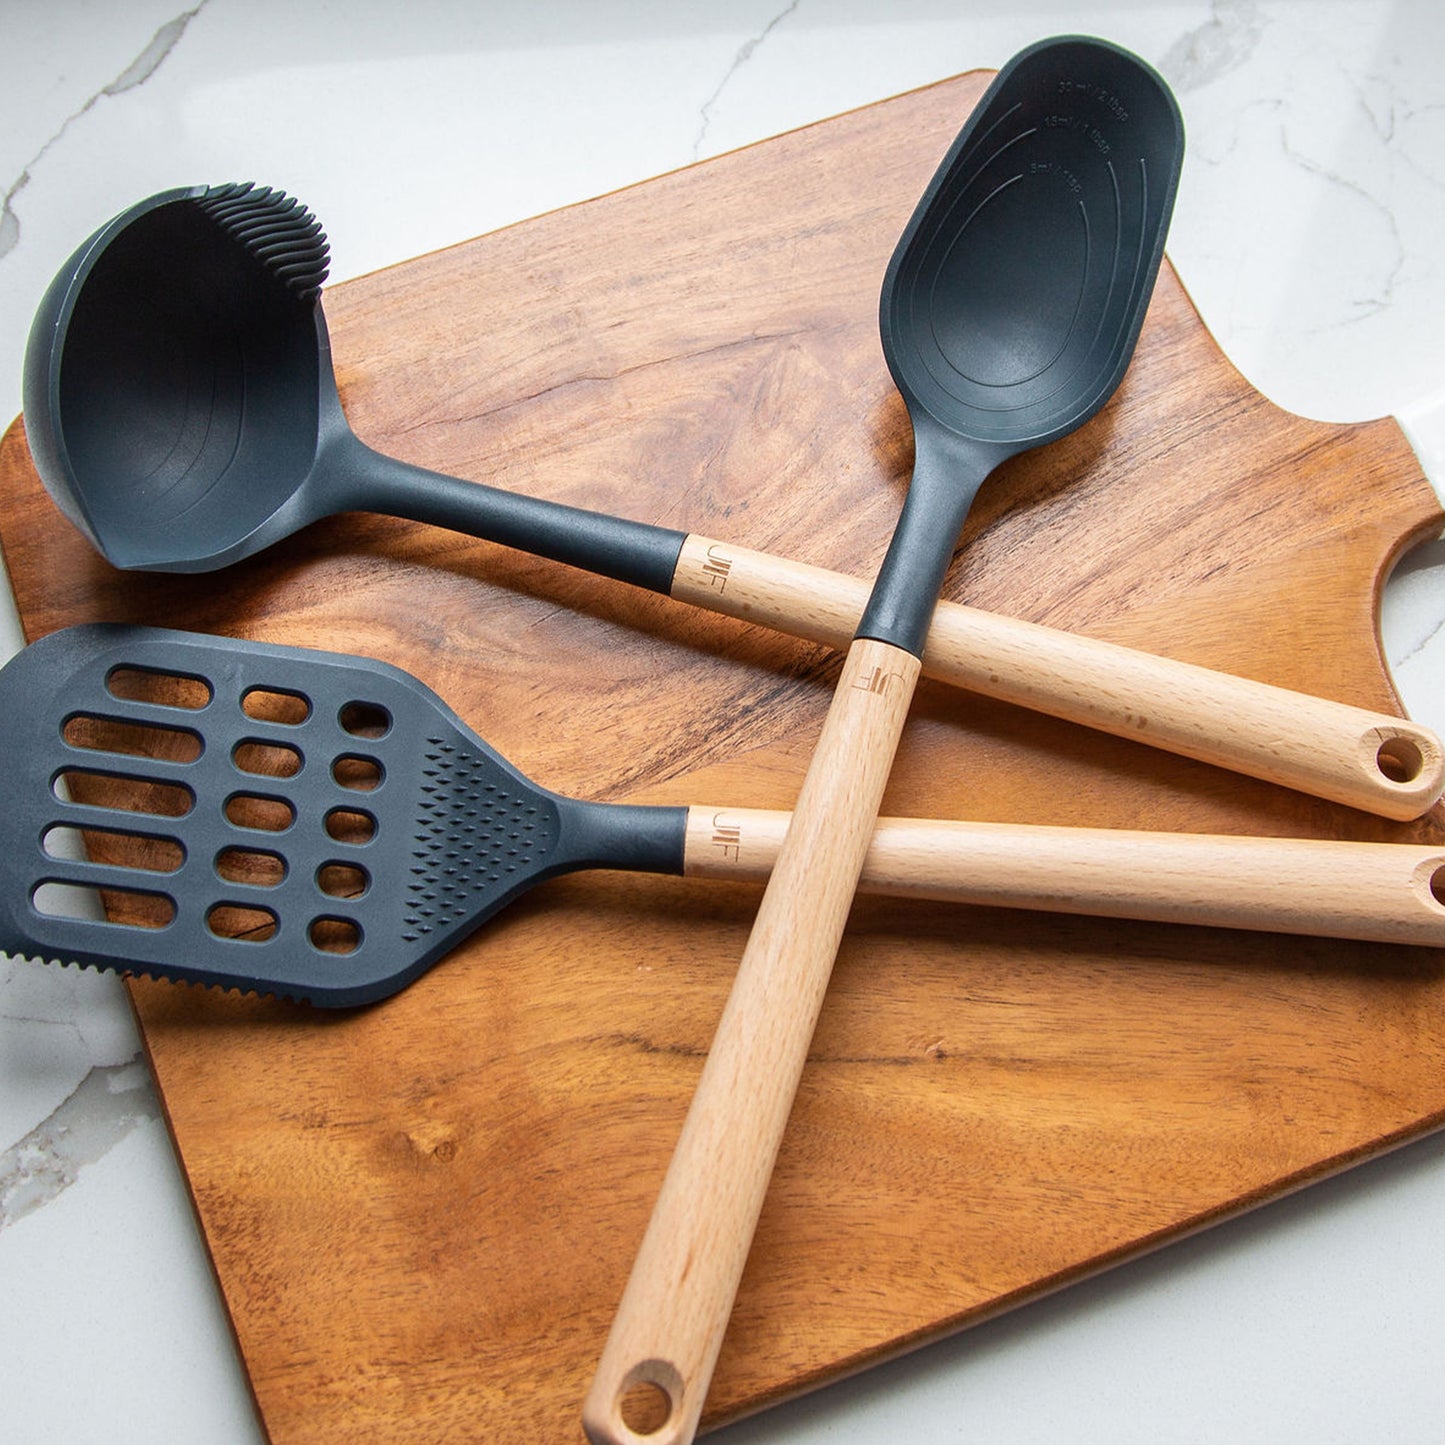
(1308, 230)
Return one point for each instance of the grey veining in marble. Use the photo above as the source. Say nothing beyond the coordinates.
(1223, 43)
(136, 73)
(744, 54)
(101, 1111)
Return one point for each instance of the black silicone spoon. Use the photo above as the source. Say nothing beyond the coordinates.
(1009, 312)
(181, 409)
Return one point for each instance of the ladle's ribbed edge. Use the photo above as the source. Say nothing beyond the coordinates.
(277, 229)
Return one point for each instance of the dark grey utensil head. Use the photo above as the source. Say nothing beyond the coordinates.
(179, 344)
(1015, 295)
(182, 409)
(273, 819)
(1014, 298)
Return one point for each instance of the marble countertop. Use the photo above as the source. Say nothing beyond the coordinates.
(1308, 231)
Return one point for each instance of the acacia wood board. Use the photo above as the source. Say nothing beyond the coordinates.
(422, 1213)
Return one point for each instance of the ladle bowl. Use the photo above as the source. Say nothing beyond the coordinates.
(173, 410)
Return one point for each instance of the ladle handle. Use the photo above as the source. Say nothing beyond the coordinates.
(669, 1326)
(1381, 764)
(1381, 892)
(1372, 761)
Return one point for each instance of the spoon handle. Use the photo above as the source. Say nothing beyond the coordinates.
(1381, 892)
(1381, 764)
(669, 1325)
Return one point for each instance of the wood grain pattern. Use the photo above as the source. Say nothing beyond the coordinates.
(669, 1324)
(422, 1214)
(1329, 749)
(1387, 892)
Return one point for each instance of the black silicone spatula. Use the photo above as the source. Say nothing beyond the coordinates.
(1009, 312)
(287, 821)
(276, 819)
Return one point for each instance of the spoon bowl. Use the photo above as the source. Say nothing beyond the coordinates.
(1015, 295)
(1014, 298)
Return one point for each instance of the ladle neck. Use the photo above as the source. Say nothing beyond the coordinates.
(948, 471)
(356, 478)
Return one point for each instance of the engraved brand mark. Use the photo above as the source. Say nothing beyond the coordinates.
(876, 681)
(728, 837)
(717, 568)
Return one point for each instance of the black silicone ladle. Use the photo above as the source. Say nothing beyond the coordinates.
(181, 409)
(1009, 312)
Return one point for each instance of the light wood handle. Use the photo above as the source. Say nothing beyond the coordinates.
(1381, 764)
(670, 1323)
(1382, 892)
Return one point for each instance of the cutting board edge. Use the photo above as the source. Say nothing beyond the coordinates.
(1250, 1203)
(672, 173)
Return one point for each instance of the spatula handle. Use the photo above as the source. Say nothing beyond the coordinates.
(1382, 764)
(670, 1323)
(1383, 892)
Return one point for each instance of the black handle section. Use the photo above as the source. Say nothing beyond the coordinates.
(948, 471)
(635, 837)
(360, 479)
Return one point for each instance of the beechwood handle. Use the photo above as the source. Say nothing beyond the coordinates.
(1381, 892)
(1381, 764)
(670, 1323)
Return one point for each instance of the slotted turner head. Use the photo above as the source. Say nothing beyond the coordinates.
(275, 819)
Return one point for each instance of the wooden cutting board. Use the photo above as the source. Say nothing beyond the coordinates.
(422, 1213)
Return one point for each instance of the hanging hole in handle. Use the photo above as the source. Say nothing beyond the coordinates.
(1427, 882)
(646, 1408)
(648, 1400)
(1400, 759)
